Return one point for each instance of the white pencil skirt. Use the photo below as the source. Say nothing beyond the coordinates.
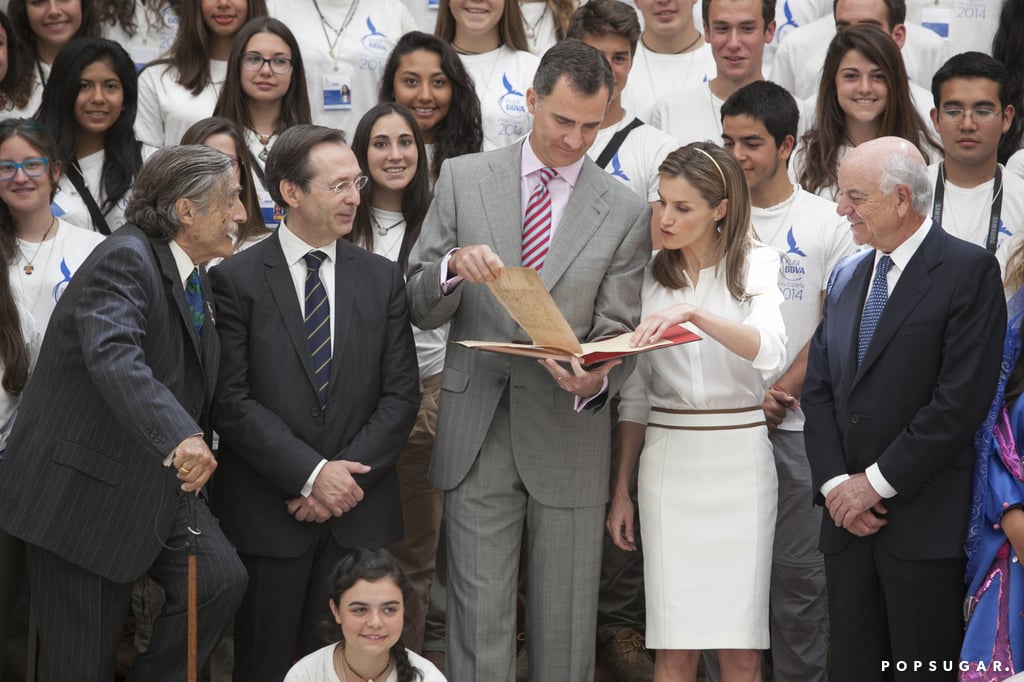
(708, 497)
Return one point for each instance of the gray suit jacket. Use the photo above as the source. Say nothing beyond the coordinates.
(594, 270)
(121, 379)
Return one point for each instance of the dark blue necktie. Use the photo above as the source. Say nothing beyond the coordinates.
(318, 323)
(877, 298)
(195, 300)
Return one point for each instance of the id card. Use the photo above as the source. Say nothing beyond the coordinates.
(271, 213)
(433, 4)
(336, 92)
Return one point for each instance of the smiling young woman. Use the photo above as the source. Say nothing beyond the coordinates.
(181, 88)
(90, 106)
(264, 94)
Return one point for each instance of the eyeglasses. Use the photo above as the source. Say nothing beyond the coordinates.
(357, 184)
(253, 61)
(33, 168)
(978, 115)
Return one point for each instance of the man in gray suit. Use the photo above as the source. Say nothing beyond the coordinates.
(523, 443)
(103, 471)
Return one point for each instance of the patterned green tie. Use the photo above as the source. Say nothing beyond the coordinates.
(196, 301)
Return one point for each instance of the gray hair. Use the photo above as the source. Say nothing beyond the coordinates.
(904, 169)
(585, 68)
(193, 172)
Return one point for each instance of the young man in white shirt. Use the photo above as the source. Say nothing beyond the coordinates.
(974, 198)
(671, 53)
(759, 125)
(737, 31)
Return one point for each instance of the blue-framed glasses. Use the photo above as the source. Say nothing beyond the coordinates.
(33, 168)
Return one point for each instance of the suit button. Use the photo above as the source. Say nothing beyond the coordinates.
(854, 419)
(315, 412)
(196, 408)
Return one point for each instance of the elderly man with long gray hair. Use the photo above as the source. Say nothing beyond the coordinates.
(103, 470)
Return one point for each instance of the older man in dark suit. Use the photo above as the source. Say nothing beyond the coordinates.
(318, 391)
(102, 473)
(901, 372)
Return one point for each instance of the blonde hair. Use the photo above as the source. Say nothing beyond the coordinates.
(717, 177)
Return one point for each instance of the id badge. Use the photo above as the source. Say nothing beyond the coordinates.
(270, 211)
(62, 203)
(336, 92)
(433, 4)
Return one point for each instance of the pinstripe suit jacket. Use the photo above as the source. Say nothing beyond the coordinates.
(121, 379)
(594, 270)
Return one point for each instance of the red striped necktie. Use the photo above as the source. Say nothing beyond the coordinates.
(537, 224)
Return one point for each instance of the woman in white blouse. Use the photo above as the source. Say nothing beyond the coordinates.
(707, 482)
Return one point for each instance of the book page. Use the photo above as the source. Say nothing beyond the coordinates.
(523, 295)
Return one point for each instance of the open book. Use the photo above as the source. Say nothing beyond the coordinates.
(530, 304)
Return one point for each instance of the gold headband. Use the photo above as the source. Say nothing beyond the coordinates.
(725, 185)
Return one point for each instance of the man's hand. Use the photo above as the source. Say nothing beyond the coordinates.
(476, 263)
(850, 499)
(869, 522)
(335, 488)
(775, 404)
(194, 462)
(307, 509)
(581, 382)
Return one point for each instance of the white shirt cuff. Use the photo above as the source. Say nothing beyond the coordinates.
(581, 403)
(448, 284)
(307, 489)
(878, 482)
(831, 483)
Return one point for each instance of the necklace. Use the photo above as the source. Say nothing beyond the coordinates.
(263, 140)
(366, 678)
(531, 29)
(325, 24)
(782, 226)
(647, 64)
(685, 49)
(381, 230)
(715, 113)
(29, 268)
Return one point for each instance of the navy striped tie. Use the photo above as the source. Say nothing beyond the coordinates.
(318, 323)
(877, 298)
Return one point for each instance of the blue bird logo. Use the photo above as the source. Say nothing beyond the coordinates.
(793, 248)
(1003, 229)
(375, 41)
(512, 102)
(617, 171)
(58, 289)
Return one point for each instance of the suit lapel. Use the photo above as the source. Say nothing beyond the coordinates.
(169, 270)
(345, 285)
(282, 289)
(502, 202)
(581, 219)
(848, 311)
(913, 285)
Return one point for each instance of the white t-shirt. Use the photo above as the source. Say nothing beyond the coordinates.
(966, 212)
(33, 337)
(342, 90)
(1015, 164)
(964, 24)
(502, 77)
(636, 163)
(430, 343)
(153, 34)
(53, 264)
(654, 72)
(789, 15)
(319, 667)
(68, 204)
(690, 115)
(424, 12)
(796, 163)
(799, 59)
(812, 238)
(167, 109)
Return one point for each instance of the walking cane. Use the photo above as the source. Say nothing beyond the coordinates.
(193, 609)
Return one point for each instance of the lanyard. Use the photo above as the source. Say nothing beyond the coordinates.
(997, 204)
